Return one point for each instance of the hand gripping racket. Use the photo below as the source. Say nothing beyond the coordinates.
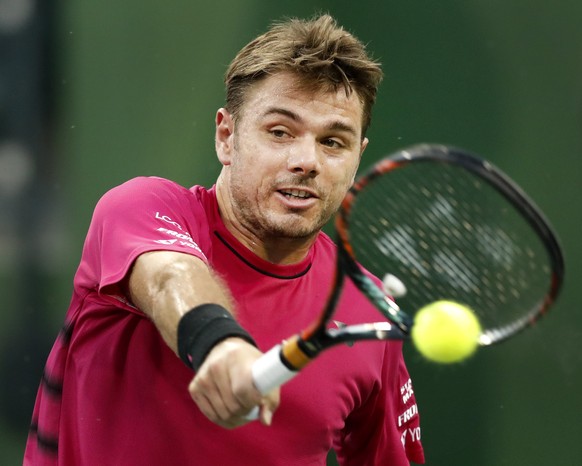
(438, 223)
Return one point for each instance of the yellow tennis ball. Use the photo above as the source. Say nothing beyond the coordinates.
(446, 332)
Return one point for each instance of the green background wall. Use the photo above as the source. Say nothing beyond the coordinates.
(136, 86)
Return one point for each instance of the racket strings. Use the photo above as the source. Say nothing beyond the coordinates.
(447, 234)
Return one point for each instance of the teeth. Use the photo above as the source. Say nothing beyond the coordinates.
(297, 193)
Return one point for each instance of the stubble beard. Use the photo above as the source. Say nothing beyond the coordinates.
(269, 225)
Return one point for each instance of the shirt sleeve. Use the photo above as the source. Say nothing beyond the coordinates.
(141, 215)
(408, 419)
(386, 428)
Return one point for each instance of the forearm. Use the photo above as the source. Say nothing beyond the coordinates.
(165, 285)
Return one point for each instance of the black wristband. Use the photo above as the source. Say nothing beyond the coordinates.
(201, 328)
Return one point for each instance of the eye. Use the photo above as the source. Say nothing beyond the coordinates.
(278, 133)
(332, 143)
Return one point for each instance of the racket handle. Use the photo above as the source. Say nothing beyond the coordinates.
(269, 372)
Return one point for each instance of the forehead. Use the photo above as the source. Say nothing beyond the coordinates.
(285, 90)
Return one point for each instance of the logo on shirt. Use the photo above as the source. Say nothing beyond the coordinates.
(182, 239)
(406, 391)
(165, 241)
(180, 236)
(407, 415)
(413, 434)
(409, 432)
(167, 219)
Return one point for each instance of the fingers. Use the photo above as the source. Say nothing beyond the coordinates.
(215, 401)
(213, 391)
(224, 390)
(269, 405)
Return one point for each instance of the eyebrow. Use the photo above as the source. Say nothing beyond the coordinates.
(333, 126)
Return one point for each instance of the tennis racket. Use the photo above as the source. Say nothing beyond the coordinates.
(437, 223)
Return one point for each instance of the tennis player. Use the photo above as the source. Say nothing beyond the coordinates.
(179, 290)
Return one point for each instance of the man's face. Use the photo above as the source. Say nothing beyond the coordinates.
(290, 158)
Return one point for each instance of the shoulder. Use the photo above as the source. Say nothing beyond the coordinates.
(146, 184)
(154, 198)
(142, 191)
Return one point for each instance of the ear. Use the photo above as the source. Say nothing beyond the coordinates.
(224, 136)
(362, 149)
(364, 145)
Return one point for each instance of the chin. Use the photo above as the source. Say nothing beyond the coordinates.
(292, 224)
(297, 229)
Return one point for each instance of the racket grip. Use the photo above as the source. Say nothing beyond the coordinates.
(268, 373)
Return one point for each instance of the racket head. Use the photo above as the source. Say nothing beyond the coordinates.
(452, 226)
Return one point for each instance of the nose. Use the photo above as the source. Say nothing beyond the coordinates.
(304, 160)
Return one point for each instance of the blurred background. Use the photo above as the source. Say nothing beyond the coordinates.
(93, 93)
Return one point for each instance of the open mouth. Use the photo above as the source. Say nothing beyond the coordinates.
(295, 194)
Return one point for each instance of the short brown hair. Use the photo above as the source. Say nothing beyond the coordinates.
(322, 54)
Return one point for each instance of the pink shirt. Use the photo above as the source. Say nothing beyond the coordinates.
(114, 393)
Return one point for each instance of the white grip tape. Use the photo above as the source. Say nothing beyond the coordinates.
(269, 372)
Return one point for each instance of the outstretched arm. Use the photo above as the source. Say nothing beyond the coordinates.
(167, 285)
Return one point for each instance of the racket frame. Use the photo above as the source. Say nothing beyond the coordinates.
(502, 184)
